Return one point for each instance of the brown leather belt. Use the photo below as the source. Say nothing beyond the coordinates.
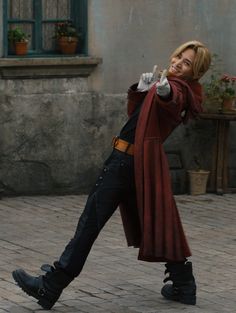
(123, 146)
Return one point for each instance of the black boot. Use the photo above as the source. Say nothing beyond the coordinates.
(183, 288)
(46, 288)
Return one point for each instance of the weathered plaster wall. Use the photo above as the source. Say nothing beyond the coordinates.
(55, 133)
(133, 35)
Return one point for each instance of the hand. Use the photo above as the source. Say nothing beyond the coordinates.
(147, 80)
(163, 87)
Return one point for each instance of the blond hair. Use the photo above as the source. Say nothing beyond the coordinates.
(202, 58)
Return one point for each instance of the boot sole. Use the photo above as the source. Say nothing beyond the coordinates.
(185, 299)
(43, 302)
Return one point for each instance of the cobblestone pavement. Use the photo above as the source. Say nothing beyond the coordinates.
(34, 230)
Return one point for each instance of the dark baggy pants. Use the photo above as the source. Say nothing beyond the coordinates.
(115, 182)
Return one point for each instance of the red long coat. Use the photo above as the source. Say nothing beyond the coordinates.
(153, 223)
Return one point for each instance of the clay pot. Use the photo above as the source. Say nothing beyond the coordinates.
(21, 48)
(229, 104)
(68, 45)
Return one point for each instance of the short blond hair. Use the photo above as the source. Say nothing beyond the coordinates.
(202, 60)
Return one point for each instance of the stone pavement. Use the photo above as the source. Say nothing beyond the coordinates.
(34, 230)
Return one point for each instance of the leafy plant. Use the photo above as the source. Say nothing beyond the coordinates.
(228, 86)
(219, 87)
(17, 35)
(66, 29)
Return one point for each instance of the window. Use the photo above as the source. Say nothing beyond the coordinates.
(38, 17)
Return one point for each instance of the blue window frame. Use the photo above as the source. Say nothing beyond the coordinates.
(38, 18)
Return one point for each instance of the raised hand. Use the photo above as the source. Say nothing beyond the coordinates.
(163, 87)
(147, 80)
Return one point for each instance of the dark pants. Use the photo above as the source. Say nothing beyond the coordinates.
(115, 183)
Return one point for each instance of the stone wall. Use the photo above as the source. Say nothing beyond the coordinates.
(54, 134)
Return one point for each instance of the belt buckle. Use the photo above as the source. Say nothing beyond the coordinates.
(115, 141)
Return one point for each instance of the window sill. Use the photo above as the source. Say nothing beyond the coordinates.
(66, 66)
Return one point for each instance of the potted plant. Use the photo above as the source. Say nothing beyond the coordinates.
(228, 92)
(198, 179)
(18, 41)
(67, 37)
(219, 90)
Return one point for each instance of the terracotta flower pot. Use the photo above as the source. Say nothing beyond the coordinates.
(212, 104)
(68, 45)
(21, 48)
(229, 104)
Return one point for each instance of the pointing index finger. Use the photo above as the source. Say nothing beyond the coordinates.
(163, 76)
(154, 69)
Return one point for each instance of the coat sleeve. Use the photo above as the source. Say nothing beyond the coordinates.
(175, 104)
(185, 96)
(184, 103)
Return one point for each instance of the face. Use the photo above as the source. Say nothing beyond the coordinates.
(182, 64)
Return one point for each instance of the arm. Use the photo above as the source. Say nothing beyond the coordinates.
(185, 100)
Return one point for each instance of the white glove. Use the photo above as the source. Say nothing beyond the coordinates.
(147, 80)
(163, 87)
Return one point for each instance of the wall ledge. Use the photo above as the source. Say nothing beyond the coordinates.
(48, 67)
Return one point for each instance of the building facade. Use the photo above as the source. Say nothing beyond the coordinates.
(60, 112)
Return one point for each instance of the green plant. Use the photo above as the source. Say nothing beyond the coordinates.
(65, 29)
(17, 35)
(228, 86)
(219, 87)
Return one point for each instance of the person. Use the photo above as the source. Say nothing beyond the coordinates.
(136, 178)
